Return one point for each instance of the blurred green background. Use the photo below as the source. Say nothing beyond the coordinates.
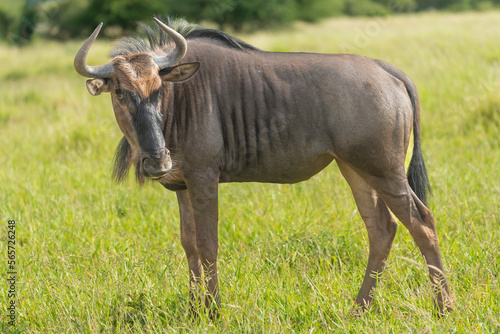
(96, 257)
(62, 19)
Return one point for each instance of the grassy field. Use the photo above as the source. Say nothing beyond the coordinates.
(96, 257)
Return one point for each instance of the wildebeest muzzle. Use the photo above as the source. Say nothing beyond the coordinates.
(156, 165)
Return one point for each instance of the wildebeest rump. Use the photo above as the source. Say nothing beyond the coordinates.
(199, 107)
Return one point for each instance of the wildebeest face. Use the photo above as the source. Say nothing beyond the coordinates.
(137, 88)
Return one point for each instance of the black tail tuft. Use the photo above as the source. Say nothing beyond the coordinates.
(417, 175)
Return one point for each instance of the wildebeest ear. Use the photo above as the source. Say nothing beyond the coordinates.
(97, 86)
(180, 73)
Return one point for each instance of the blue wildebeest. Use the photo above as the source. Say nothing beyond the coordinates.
(198, 107)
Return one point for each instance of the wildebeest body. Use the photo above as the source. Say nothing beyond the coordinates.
(279, 117)
(232, 113)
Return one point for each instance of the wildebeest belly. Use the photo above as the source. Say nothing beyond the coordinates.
(285, 170)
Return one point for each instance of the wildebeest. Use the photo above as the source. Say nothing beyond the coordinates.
(198, 107)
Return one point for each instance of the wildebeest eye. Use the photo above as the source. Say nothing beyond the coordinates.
(119, 94)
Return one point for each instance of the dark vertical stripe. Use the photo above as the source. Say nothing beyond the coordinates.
(247, 123)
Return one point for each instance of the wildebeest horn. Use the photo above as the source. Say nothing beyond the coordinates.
(179, 51)
(80, 63)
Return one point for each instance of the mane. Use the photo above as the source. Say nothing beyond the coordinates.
(156, 39)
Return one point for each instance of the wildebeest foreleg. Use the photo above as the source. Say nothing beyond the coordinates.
(203, 192)
(188, 241)
(381, 227)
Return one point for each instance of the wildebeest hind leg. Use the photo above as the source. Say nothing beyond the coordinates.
(395, 191)
(381, 227)
(188, 241)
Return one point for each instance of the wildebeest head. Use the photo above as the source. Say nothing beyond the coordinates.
(136, 84)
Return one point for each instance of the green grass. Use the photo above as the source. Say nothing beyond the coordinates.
(96, 257)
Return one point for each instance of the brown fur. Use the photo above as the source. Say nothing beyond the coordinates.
(137, 73)
(252, 116)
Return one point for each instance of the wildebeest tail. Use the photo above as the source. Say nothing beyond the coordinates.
(417, 172)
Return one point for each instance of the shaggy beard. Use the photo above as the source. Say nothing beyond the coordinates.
(123, 160)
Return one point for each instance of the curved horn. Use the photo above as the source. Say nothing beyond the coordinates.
(179, 51)
(80, 63)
